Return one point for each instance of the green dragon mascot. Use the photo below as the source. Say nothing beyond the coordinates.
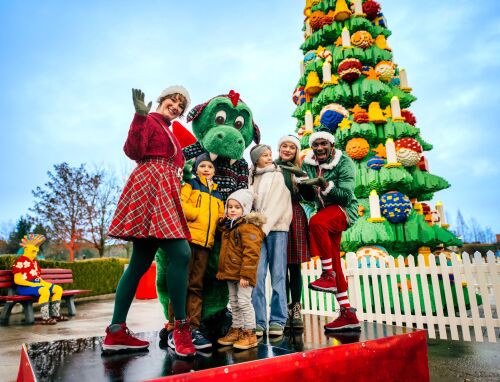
(224, 128)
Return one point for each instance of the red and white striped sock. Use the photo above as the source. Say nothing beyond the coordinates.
(326, 265)
(343, 300)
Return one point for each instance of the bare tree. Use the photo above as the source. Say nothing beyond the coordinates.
(476, 231)
(61, 204)
(462, 229)
(489, 236)
(6, 227)
(101, 198)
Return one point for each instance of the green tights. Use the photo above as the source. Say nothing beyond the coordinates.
(143, 254)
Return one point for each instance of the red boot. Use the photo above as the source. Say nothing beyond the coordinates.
(346, 321)
(326, 283)
(182, 340)
(122, 339)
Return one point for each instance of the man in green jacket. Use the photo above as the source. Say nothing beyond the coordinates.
(331, 173)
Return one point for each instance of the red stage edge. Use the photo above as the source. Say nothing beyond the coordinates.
(396, 358)
(25, 373)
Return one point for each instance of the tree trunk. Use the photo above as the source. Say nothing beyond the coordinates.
(101, 250)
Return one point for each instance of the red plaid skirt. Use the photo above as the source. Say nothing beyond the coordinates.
(298, 237)
(150, 204)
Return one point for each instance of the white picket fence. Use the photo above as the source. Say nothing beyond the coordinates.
(441, 289)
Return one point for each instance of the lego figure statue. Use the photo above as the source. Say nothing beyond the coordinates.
(29, 283)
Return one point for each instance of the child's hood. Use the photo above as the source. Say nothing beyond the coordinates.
(258, 219)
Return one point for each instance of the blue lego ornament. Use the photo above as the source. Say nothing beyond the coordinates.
(380, 20)
(395, 207)
(331, 119)
(375, 162)
(299, 96)
(309, 57)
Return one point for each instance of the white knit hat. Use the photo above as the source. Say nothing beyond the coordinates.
(244, 197)
(289, 138)
(175, 89)
(321, 135)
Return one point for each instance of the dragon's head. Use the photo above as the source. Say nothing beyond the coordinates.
(224, 126)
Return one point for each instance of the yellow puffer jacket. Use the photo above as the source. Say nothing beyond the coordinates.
(202, 208)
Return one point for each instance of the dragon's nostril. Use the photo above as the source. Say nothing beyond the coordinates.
(220, 136)
(240, 141)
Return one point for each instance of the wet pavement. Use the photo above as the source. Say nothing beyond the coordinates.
(448, 360)
(82, 359)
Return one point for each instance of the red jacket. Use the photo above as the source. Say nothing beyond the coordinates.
(150, 136)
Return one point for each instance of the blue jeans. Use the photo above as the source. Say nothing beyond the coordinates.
(272, 254)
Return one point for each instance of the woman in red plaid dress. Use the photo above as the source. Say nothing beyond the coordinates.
(298, 247)
(149, 213)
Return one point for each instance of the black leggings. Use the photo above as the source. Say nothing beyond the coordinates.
(143, 254)
(294, 282)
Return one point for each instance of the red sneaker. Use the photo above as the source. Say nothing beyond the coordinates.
(182, 339)
(122, 339)
(326, 283)
(346, 321)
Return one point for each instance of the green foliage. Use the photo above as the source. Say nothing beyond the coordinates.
(23, 227)
(99, 275)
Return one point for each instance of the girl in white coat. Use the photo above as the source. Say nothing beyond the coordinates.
(272, 198)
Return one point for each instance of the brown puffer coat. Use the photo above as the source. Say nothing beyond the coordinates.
(240, 248)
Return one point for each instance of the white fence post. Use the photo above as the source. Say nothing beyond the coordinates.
(478, 334)
(428, 317)
(482, 276)
(457, 273)
(412, 270)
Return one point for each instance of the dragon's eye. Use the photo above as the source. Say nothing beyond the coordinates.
(240, 121)
(220, 117)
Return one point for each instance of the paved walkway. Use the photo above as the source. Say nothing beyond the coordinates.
(91, 320)
(448, 360)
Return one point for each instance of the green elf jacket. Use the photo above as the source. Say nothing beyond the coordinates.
(340, 174)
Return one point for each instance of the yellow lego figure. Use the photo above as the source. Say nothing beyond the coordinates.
(29, 283)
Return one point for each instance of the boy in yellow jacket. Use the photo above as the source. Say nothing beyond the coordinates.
(203, 206)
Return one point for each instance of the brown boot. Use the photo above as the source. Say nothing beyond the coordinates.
(247, 340)
(231, 337)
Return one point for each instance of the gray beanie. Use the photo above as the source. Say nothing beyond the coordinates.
(257, 151)
(244, 197)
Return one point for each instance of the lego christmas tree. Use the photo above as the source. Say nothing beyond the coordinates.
(351, 87)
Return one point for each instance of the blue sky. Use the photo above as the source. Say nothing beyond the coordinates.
(67, 69)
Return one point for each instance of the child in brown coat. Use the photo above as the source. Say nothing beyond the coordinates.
(239, 257)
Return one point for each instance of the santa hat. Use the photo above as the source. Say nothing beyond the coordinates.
(175, 89)
(289, 138)
(321, 135)
(183, 135)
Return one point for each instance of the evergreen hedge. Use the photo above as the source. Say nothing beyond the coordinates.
(101, 276)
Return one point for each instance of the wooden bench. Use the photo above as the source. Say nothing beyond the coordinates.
(51, 275)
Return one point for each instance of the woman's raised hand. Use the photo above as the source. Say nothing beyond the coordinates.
(140, 106)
